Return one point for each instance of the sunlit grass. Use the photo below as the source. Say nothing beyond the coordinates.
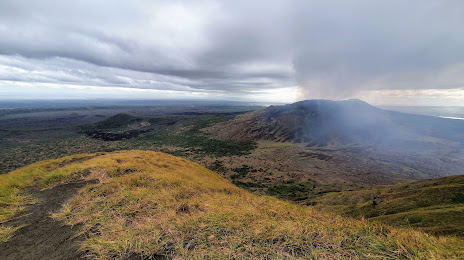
(13, 183)
(149, 203)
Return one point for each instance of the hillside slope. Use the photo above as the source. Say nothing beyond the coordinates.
(339, 123)
(316, 122)
(361, 144)
(435, 205)
(148, 204)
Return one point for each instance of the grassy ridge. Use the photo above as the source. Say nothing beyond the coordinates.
(149, 203)
(435, 206)
(193, 140)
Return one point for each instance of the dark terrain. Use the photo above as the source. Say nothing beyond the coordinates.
(39, 235)
(45, 131)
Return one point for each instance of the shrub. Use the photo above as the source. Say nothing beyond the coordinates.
(414, 219)
(459, 198)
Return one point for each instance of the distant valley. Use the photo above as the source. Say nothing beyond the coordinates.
(337, 157)
(297, 151)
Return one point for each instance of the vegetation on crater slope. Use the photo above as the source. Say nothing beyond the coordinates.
(435, 206)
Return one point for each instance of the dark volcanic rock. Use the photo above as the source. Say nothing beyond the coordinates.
(109, 136)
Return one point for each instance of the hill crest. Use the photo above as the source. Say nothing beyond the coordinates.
(316, 122)
(151, 204)
(340, 123)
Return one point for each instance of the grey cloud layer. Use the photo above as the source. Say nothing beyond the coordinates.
(331, 49)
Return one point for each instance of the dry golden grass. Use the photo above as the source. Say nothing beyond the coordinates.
(149, 203)
(6, 232)
(13, 183)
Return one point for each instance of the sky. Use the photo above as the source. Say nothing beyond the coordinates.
(384, 52)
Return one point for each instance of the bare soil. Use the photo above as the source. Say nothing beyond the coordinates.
(42, 237)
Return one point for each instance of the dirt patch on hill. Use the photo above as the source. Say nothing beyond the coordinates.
(74, 161)
(42, 237)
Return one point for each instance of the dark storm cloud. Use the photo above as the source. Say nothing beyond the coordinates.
(331, 49)
(384, 45)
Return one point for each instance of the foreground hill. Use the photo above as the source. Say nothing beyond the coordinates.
(148, 204)
(435, 206)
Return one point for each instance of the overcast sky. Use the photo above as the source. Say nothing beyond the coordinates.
(385, 52)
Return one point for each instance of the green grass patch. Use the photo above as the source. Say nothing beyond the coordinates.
(53, 178)
(218, 166)
(115, 122)
(433, 205)
(242, 171)
(459, 198)
(414, 219)
(195, 141)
